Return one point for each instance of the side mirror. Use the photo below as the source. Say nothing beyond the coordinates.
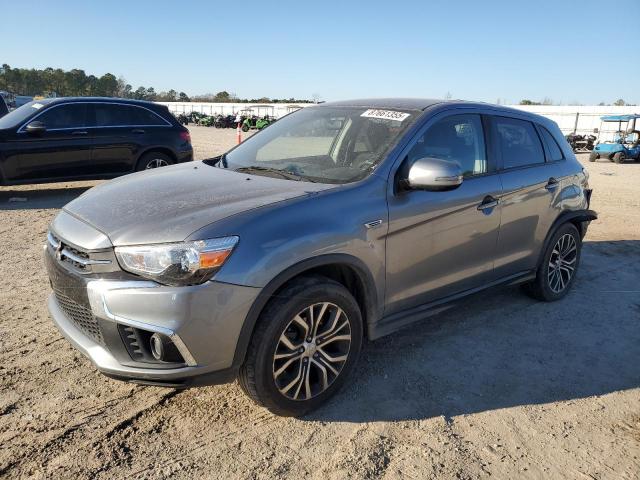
(434, 174)
(36, 128)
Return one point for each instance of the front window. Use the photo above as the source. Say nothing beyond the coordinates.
(322, 144)
(21, 114)
(71, 115)
(458, 138)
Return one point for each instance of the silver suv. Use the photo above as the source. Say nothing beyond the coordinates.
(338, 223)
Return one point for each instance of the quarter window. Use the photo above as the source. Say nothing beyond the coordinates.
(518, 142)
(71, 115)
(552, 146)
(458, 138)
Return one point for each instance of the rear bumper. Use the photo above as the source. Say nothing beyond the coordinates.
(185, 156)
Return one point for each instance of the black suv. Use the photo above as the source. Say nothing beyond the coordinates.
(88, 138)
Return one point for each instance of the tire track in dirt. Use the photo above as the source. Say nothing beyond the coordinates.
(57, 443)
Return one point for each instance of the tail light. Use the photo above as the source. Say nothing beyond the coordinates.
(186, 136)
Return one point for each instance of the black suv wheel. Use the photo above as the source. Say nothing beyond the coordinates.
(306, 343)
(557, 270)
(154, 160)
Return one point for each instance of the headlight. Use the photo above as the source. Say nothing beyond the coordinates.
(185, 263)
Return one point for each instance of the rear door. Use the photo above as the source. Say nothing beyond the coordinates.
(443, 242)
(62, 151)
(122, 131)
(531, 194)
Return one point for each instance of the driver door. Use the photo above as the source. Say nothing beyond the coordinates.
(444, 242)
(62, 151)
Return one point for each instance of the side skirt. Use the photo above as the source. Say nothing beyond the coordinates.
(391, 323)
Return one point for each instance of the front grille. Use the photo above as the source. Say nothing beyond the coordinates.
(81, 317)
(78, 253)
(79, 260)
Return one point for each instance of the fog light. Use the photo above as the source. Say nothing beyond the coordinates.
(158, 345)
(163, 349)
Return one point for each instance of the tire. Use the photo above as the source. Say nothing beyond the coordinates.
(279, 384)
(619, 157)
(158, 159)
(547, 286)
(245, 128)
(593, 157)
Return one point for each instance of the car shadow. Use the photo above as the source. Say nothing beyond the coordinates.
(37, 199)
(501, 349)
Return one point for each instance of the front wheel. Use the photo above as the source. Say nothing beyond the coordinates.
(557, 270)
(305, 345)
(593, 157)
(245, 128)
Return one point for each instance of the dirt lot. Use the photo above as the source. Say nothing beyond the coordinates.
(502, 386)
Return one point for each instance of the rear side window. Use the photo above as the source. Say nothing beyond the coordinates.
(115, 115)
(110, 115)
(142, 116)
(552, 146)
(459, 138)
(71, 115)
(519, 143)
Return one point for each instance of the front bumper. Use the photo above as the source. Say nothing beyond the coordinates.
(203, 321)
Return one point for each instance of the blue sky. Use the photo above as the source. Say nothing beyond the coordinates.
(480, 50)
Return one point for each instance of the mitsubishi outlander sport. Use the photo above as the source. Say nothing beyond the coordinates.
(340, 222)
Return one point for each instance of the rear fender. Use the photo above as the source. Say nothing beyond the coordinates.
(580, 217)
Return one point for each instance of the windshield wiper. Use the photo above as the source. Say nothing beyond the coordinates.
(283, 173)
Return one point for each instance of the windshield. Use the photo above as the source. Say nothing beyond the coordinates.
(322, 144)
(20, 114)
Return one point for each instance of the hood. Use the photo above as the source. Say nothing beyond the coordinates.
(168, 204)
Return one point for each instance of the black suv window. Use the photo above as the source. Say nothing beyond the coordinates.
(519, 143)
(142, 116)
(552, 146)
(117, 115)
(71, 115)
(459, 138)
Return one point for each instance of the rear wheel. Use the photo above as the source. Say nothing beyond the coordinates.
(306, 344)
(557, 271)
(619, 157)
(154, 160)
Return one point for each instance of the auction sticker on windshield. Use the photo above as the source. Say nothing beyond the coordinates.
(386, 114)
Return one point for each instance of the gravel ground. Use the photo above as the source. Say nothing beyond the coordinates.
(501, 386)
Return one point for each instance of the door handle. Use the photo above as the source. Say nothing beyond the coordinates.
(488, 203)
(79, 132)
(552, 184)
(137, 130)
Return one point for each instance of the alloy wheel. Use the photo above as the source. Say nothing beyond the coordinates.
(311, 351)
(156, 163)
(562, 263)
